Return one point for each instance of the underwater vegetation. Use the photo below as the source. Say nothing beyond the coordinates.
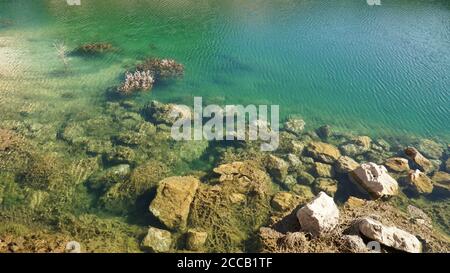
(117, 182)
(126, 187)
(149, 72)
(94, 49)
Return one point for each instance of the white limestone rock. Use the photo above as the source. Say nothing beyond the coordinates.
(319, 216)
(375, 180)
(389, 236)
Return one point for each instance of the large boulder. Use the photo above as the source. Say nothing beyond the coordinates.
(323, 152)
(173, 199)
(397, 164)
(320, 216)
(157, 240)
(375, 180)
(345, 164)
(389, 236)
(422, 162)
(419, 182)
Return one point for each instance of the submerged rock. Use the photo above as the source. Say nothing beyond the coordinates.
(327, 185)
(305, 178)
(447, 165)
(160, 113)
(324, 132)
(282, 201)
(323, 152)
(430, 148)
(442, 181)
(137, 81)
(106, 178)
(294, 125)
(120, 154)
(94, 48)
(397, 164)
(375, 180)
(323, 170)
(320, 216)
(419, 182)
(389, 236)
(277, 167)
(162, 69)
(157, 240)
(173, 199)
(345, 164)
(423, 163)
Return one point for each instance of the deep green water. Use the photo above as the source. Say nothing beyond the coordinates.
(375, 70)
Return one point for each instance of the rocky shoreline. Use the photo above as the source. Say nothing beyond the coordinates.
(118, 183)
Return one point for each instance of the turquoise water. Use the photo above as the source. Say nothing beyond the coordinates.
(375, 70)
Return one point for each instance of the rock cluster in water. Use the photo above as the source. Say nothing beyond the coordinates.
(149, 72)
(326, 192)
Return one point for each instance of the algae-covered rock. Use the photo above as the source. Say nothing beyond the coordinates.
(430, 148)
(327, 185)
(422, 162)
(323, 170)
(277, 167)
(14, 151)
(419, 182)
(282, 201)
(121, 197)
(45, 172)
(323, 152)
(230, 224)
(94, 48)
(173, 199)
(305, 178)
(397, 164)
(157, 240)
(161, 69)
(345, 164)
(441, 181)
(120, 154)
(146, 176)
(195, 240)
(324, 132)
(294, 125)
(160, 113)
(106, 178)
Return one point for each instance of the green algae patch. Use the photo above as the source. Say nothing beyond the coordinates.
(233, 207)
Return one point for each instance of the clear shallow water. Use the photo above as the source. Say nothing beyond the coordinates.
(377, 70)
